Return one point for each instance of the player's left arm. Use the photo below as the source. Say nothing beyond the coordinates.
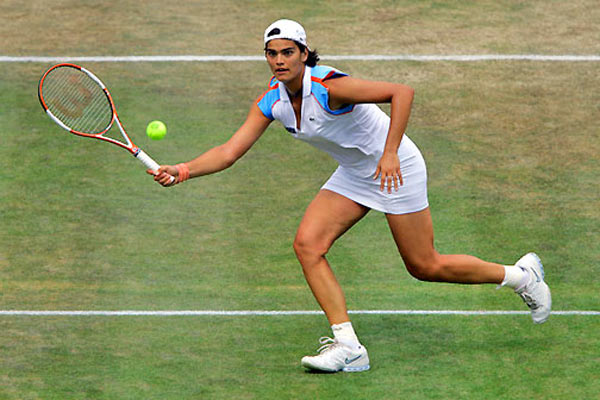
(349, 90)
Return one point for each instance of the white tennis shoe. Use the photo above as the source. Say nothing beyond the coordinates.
(536, 293)
(335, 356)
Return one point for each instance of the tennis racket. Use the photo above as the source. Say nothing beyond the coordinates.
(79, 102)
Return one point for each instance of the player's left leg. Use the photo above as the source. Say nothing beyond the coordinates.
(413, 234)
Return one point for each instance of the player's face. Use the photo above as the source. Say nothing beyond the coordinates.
(285, 59)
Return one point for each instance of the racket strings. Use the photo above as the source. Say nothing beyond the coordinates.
(97, 113)
(73, 95)
(77, 100)
(75, 104)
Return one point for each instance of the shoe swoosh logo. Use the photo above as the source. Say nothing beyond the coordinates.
(351, 360)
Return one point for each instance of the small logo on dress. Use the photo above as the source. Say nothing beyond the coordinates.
(291, 130)
(311, 119)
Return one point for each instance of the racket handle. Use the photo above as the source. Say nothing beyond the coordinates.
(149, 162)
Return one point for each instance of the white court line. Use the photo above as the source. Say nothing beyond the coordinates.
(272, 313)
(359, 57)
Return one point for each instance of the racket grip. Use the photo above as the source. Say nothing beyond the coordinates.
(149, 162)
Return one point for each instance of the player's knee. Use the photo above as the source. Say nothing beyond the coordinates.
(308, 247)
(425, 269)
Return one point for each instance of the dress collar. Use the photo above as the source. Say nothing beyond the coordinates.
(306, 85)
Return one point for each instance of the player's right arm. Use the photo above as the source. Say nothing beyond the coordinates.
(224, 156)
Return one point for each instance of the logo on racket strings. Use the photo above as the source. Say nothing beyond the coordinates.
(74, 106)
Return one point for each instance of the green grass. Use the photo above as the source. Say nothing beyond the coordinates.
(511, 152)
(182, 357)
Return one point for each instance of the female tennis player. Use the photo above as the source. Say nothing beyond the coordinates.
(380, 168)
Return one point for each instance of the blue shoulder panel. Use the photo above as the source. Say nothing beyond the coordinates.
(323, 72)
(322, 95)
(319, 89)
(267, 101)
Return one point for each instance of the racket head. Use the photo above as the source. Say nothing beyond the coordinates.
(76, 100)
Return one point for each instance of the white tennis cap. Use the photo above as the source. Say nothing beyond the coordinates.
(286, 29)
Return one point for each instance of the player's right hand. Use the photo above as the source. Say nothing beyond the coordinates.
(164, 175)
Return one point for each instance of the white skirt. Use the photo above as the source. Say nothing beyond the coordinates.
(410, 197)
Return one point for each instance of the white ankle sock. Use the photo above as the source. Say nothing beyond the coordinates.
(514, 277)
(344, 333)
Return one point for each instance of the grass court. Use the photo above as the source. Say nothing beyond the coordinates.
(511, 149)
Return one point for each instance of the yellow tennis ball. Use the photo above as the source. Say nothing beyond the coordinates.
(156, 130)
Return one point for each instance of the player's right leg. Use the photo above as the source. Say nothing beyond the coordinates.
(327, 217)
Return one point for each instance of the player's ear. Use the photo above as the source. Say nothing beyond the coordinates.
(304, 55)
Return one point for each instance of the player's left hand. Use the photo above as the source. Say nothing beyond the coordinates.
(389, 170)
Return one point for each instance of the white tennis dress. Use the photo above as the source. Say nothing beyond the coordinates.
(355, 137)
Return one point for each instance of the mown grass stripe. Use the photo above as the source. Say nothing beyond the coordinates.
(358, 57)
(171, 313)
